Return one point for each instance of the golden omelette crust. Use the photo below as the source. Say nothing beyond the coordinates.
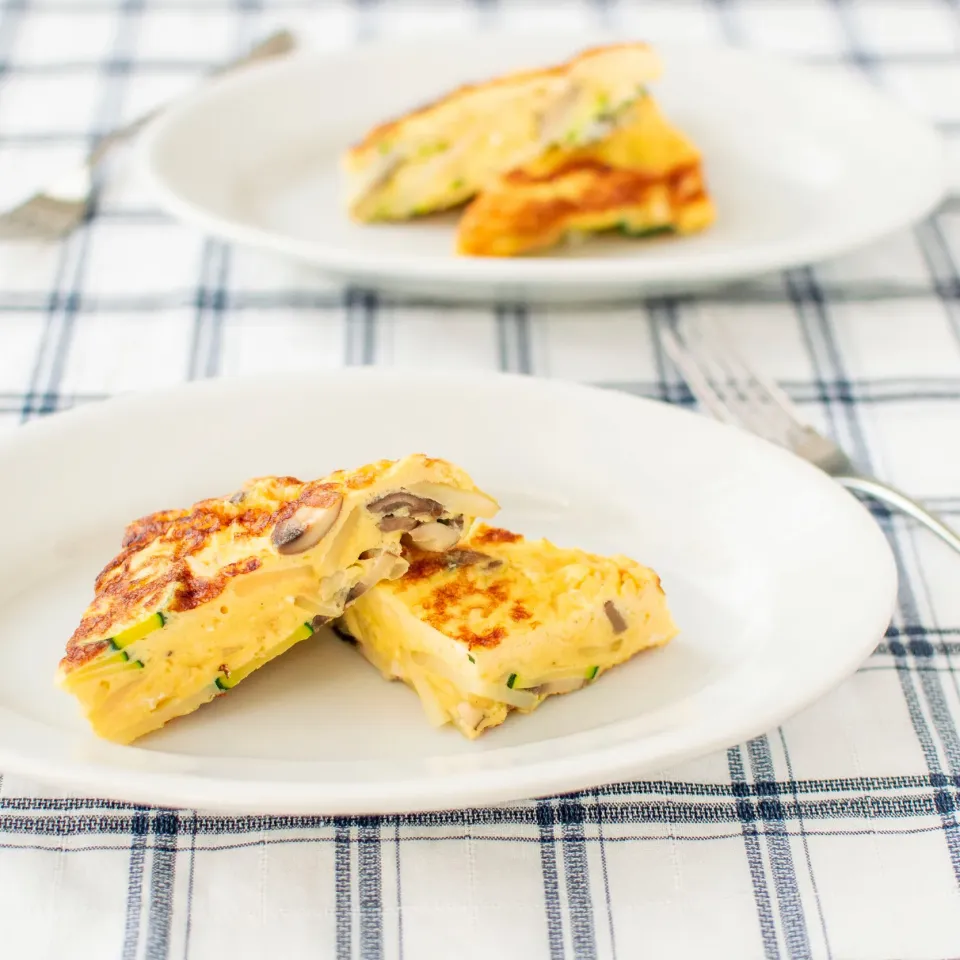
(541, 217)
(460, 592)
(488, 587)
(153, 561)
(381, 132)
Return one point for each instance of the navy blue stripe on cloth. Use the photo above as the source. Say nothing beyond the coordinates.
(370, 888)
(360, 327)
(209, 306)
(942, 268)
(343, 888)
(669, 388)
(551, 882)
(297, 297)
(166, 826)
(35, 402)
(191, 876)
(761, 892)
(784, 873)
(806, 845)
(399, 880)
(576, 869)
(521, 319)
(513, 338)
(179, 66)
(728, 20)
(138, 828)
(505, 356)
(174, 65)
(873, 831)
(42, 395)
(867, 798)
(9, 27)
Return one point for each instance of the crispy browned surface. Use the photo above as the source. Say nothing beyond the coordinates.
(489, 638)
(381, 132)
(466, 588)
(519, 612)
(498, 587)
(497, 535)
(153, 568)
(535, 211)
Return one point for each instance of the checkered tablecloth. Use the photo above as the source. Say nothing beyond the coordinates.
(835, 836)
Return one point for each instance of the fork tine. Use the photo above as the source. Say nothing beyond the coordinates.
(727, 401)
(724, 380)
(751, 406)
(760, 405)
(698, 382)
(768, 388)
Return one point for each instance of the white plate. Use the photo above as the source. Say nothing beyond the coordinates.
(780, 581)
(803, 165)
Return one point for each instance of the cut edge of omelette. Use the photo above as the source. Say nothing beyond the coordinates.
(645, 179)
(199, 598)
(500, 624)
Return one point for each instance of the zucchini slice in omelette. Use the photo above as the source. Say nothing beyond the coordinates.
(645, 178)
(501, 623)
(440, 155)
(198, 599)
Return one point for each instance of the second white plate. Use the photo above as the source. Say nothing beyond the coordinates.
(803, 165)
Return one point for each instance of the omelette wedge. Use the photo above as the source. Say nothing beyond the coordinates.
(199, 598)
(645, 178)
(500, 623)
(442, 154)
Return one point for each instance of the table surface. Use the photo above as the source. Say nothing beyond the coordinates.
(833, 836)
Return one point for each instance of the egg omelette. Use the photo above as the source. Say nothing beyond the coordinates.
(441, 155)
(500, 623)
(645, 178)
(197, 599)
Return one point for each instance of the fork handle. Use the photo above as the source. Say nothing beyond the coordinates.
(900, 501)
(277, 44)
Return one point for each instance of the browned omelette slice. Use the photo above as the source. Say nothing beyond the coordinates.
(501, 623)
(199, 598)
(645, 178)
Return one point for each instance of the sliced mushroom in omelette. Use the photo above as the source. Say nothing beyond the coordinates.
(501, 623)
(645, 178)
(199, 598)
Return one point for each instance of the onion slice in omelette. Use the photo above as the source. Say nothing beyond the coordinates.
(501, 623)
(199, 598)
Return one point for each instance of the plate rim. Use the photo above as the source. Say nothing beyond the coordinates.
(568, 274)
(550, 775)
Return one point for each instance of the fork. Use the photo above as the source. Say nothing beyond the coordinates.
(61, 206)
(731, 391)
